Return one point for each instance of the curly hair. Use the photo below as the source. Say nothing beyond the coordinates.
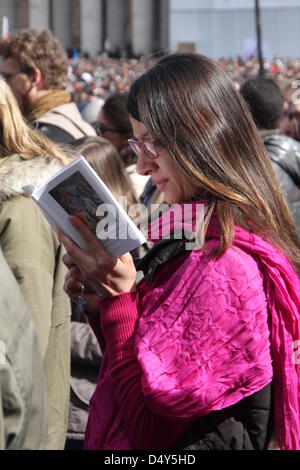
(38, 49)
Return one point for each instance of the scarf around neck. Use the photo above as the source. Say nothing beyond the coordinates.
(282, 290)
(47, 102)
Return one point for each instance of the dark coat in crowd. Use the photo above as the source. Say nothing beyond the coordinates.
(246, 425)
(85, 365)
(285, 156)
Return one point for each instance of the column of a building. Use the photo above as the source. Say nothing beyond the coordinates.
(8, 9)
(21, 14)
(116, 17)
(38, 14)
(91, 26)
(142, 17)
(164, 25)
(76, 21)
(61, 21)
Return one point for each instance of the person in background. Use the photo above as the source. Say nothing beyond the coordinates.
(35, 66)
(105, 160)
(292, 128)
(114, 125)
(23, 393)
(201, 353)
(91, 112)
(265, 101)
(86, 355)
(34, 253)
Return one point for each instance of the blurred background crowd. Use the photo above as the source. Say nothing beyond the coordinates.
(91, 80)
(100, 76)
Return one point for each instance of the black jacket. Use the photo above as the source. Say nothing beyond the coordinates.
(285, 156)
(247, 425)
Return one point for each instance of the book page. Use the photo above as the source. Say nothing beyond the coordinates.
(77, 190)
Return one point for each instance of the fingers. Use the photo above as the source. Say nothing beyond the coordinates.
(82, 216)
(75, 253)
(90, 239)
(72, 287)
(75, 273)
(68, 261)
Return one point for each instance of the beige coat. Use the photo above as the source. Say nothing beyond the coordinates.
(23, 395)
(68, 118)
(34, 254)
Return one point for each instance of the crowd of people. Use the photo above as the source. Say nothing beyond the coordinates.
(101, 76)
(186, 343)
(92, 80)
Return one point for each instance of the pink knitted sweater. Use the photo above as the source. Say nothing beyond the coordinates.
(197, 340)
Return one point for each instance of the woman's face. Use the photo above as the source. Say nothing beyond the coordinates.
(109, 132)
(164, 170)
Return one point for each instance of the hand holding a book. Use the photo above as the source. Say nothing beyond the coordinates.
(99, 272)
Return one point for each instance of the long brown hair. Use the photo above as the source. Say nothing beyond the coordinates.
(104, 159)
(195, 112)
(17, 137)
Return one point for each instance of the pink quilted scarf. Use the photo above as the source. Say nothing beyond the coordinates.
(282, 288)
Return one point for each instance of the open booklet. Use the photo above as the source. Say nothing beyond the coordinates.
(77, 189)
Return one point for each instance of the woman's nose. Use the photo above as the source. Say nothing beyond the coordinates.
(145, 166)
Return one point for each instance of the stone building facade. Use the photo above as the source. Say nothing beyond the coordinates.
(125, 26)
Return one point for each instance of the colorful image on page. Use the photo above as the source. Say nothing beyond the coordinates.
(76, 196)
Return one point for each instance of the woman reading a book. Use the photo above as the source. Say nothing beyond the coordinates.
(202, 353)
(85, 354)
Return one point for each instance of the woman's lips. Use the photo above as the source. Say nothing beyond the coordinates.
(161, 184)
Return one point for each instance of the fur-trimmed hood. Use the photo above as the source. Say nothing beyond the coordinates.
(16, 173)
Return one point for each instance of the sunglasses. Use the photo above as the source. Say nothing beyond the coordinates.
(149, 146)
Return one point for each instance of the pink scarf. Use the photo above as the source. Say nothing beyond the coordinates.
(282, 288)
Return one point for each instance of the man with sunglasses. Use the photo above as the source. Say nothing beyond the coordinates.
(113, 122)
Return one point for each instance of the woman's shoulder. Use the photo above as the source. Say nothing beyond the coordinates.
(22, 224)
(235, 264)
(198, 267)
(15, 173)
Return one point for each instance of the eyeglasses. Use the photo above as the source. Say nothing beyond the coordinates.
(150, 147)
